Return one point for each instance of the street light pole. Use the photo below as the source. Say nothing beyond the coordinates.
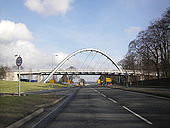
(53, 60)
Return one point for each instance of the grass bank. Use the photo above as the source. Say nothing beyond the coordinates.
(164, 92)
(13, 108)
(12, 86)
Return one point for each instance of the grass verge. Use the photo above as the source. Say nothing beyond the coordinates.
(13, 108)
(164, 92)
(12, 86)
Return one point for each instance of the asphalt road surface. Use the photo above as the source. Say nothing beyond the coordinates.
(105, 108)
(153, 108)
(61, 91)
(101, 107)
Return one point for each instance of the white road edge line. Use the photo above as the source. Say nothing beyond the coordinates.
(147, 121)
(47, 115)
(112, 100)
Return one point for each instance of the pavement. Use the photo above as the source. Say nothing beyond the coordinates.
(102, 107)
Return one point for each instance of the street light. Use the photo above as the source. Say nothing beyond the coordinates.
(53, 63)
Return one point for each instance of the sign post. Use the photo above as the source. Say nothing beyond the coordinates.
(19, 63)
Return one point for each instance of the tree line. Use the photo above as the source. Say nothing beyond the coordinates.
(150, 51)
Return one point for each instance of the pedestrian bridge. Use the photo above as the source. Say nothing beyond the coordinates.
(96, 66)
(88, 61)
(92, 55)
(91, 64)
(78, 72)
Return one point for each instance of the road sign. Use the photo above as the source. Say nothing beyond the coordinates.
(99, 81)
(19, 61)
(108, 79)
(68, 81)
(52, 81)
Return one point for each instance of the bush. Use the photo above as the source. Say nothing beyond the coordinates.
(3, 71)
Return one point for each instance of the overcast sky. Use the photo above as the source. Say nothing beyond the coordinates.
(39, 29)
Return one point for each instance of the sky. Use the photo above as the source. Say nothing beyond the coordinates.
(40, 29)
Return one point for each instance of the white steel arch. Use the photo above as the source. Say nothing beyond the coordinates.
(77, 52)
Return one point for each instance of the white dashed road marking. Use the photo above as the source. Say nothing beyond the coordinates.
(112, 100)
(103, 95)
(142, 118)
(147, 121)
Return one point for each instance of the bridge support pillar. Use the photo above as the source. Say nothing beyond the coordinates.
(119, 80)
(126, 80)
(40, 78)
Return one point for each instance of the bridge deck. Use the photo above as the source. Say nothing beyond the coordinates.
(76, 73)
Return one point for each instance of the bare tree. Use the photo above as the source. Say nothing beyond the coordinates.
(150, 51)
(72, 77)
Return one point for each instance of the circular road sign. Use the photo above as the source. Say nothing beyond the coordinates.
(19, 61)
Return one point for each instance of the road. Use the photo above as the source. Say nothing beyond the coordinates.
(154, 109)
(61, 91)
(101, 107)
(104, 108)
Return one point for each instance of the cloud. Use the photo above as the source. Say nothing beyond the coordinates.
(49, 7)
(16, 38)
(32, 57)
(10, 31)
(60, 56)
(133, 30)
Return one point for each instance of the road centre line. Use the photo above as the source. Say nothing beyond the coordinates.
(99, 92)
(112, 100)
(103, 95)
(142, 118)
(95, 90)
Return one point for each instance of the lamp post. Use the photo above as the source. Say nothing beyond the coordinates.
(53, 57)
(19, 63)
